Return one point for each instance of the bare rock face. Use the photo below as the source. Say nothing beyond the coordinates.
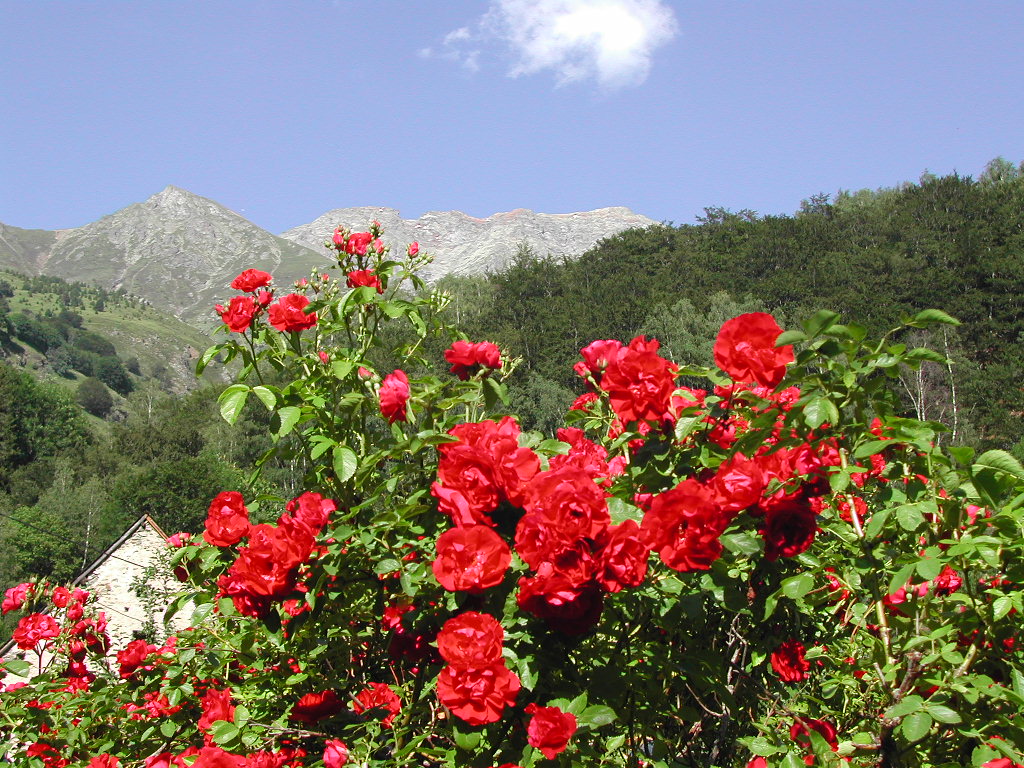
(465, 245)
(177, 250)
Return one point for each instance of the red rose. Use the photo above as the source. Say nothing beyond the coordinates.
(549, 729)
(587, 455)
(378, 700)
(227, 520)
(947, 582)
(287, 313)
(364, 277)
(413, 249)
(14, 597)
(596, 357)
(106, 760)
(799, 730)
(394, 395)
(335, 753)
(465, 488)
(33, 628)
(250, 280)
(477, 695)
(216, 706)
(623, 557)
(789, 663)
(471, 559)
(239, 314)
(467, 358)
(471, 639)
(215, 757)
(567, 607)
(486, 465)
(684, 524)
(737, 484)
(316, 706)
(745, 349)
(357, 243)
(640, 382)
(569, 499)
(134, 656)
(789, 528)
(311, 510)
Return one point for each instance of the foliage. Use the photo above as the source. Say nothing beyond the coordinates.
(778, 569)
(94, 397)
(35, 420)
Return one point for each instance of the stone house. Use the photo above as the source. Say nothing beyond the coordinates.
(131, 583)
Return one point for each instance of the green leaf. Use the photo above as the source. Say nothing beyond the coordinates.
(925, 354)
(901, 577)
(821, 321)
(916, 726)
(929, 316)
(224, 732)
(760, 746)
(320, 446)
(1001, 461)
(207, 357)
(818, 411)
(595, 716)
(1001, 606)
(909, 516)
(467, 740)
(168, 728)
(790, 337)
(793, 760)
(906, 706)
(18, 667)
(289, 416)
(871, 447)
(345, 462)
(797, 586)
(877, 523)
(943, 714)
(744, 543)
(232, 400)
(929, 568)
(388, 565)
(266, 396)
(341, 368)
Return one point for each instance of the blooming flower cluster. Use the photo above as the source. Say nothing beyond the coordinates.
(267, 568)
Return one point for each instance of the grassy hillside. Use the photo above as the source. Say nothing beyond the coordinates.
(163, 348)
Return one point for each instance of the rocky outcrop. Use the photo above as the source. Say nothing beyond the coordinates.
(465, 245)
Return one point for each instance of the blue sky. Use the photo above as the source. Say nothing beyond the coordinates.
(284, 110)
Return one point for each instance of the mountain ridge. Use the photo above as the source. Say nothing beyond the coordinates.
(179, 250)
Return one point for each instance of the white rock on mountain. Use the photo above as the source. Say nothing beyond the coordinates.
(465, 245)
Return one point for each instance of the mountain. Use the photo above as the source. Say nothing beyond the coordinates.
(179, 251)
(465, 245)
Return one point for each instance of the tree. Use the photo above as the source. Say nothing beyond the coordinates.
(94, 397)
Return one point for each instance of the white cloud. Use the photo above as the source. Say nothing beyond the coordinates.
(610, 41)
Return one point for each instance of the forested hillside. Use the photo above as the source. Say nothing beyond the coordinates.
(952, 243)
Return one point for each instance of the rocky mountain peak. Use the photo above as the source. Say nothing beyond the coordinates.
(465, 245)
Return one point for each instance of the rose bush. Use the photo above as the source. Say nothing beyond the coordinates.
(779, 570)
